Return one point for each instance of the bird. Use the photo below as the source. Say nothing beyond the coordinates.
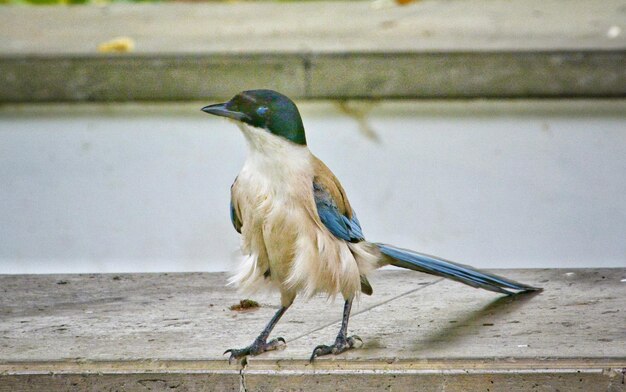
(299, 233)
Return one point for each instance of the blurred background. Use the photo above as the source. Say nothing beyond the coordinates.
(491, 133)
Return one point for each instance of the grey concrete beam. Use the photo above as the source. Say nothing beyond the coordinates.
(469, 75)
(138, 332)
(146, 78)
(431, 48)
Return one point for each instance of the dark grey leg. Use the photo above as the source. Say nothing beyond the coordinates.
(343, 342)
(260, 344)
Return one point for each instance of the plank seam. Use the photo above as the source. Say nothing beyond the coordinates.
(368, 309)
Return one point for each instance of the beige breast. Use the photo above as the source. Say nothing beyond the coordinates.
(284, 242)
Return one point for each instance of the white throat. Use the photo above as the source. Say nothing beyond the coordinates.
(272, 157)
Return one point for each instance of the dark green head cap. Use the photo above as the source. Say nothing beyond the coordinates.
(265, 109)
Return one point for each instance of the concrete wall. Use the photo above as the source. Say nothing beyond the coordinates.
(107, 188)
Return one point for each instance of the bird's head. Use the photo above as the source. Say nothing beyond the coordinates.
(264, 109)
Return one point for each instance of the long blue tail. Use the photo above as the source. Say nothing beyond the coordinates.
(461, 273)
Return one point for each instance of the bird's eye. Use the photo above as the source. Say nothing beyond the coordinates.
(261, 110)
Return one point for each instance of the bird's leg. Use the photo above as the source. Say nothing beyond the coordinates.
(343, 342)
(260, 344)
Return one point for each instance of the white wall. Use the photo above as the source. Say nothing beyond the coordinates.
(111, 188)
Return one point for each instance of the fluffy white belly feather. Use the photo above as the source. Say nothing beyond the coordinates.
(285, 244)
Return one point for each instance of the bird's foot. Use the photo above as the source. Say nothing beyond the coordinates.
(342, 344)
(258, 347)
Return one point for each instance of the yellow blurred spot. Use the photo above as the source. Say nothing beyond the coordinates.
(117, 45)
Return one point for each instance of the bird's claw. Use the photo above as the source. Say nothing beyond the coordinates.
(256, 348)
(342, 344)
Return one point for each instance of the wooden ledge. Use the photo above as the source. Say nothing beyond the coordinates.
(167, 331)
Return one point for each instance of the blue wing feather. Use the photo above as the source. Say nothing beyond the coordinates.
(346, 228)
(234, 218)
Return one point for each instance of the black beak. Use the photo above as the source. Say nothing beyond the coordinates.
(219, 109)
